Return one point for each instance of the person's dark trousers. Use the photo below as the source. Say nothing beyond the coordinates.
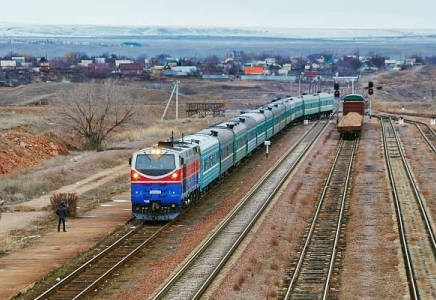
(59, 224)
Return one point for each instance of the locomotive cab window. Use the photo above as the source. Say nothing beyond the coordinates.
(155, 165)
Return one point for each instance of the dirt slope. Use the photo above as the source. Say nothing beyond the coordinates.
(20, 150)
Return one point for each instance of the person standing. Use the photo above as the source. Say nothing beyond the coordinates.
(61, 211)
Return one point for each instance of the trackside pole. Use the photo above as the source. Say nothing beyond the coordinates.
(267, 144)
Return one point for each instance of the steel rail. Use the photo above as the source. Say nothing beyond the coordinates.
(200, 290)
(417, 195)
(338, 228)
(252, 223)
(408, 261)
(315, 219)
(417, 124)
(96, 258)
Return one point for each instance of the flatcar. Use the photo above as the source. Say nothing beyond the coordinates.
(170, 176)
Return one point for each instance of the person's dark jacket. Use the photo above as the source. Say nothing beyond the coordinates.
(61, 211)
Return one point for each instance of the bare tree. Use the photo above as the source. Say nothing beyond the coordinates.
(93, 111)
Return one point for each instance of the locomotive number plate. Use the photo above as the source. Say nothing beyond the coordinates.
(155, 192)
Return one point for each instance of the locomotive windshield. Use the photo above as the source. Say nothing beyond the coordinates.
(155, 165)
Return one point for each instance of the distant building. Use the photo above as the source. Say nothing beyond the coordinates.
(100, 60)
(310, 74)
(270, 61)
(19, 59)
(8, 64)
(131, 44)
(156, 72)
(393, 65)
(180, 71)
(172, 63)
(131, 68)
(253, 70)
(287, 67)
(98, 70)
(410, 61)
(85, 63)
(121, 61)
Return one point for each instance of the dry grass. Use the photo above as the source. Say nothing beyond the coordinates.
(10, 242)
(295, 191)
(274, 241)
(390, 223)
(306, 201)
(350, 229)
(253, 260)
(274, 266)
(270, 293)
(14, 118)
(162, 129)
(239, 282)
(27, 184)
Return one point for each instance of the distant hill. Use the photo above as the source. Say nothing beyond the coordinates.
(53, 31)
(132, 41)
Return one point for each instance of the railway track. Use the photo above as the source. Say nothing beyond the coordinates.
(197, 274)
(310, 275)
(427, 133)
(92, 273)
(416, 234)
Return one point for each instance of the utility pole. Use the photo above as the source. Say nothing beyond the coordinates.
(176, 90)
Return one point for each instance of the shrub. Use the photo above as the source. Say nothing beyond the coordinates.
(274, 266)
(69, 199)
(8, 243)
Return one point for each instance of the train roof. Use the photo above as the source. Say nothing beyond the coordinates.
(354, 97)
(205, 141)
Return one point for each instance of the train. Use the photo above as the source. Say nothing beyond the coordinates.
(351, 123)
(169, 176)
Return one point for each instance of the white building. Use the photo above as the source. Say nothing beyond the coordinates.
(8, 64)
(19, 59)
(122, 61)
(85, 63)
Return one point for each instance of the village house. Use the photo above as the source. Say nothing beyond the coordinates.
(130, 69)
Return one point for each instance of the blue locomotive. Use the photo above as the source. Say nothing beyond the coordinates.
(169, 176)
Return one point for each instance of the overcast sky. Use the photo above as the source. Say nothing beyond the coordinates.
(346, 14)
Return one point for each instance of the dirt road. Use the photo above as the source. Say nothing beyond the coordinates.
(46, 252)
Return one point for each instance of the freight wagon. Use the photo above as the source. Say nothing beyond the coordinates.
(353, 109)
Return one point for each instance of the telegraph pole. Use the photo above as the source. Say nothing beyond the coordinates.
(176, 90)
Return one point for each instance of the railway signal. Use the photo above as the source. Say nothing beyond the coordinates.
(337, 92)
(370, 88)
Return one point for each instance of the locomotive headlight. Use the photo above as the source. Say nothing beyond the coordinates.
(135, 176)
(155, 151)
(175, 176)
